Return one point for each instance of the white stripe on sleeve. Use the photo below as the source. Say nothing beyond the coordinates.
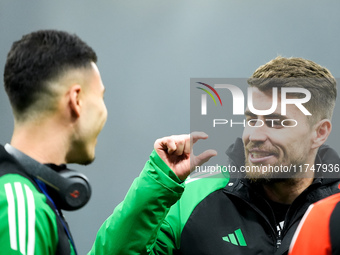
(21, 217)
(31, 221)
(11, 217)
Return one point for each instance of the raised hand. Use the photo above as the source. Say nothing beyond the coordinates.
(176, 152)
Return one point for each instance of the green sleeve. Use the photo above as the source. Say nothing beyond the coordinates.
(136, 225)
(27, 224)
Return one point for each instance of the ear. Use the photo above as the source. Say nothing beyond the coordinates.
(75, 100)
(322, 130)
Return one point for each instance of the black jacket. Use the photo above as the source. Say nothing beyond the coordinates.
(237, 219)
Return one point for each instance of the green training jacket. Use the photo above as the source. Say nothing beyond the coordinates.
(28, 220)
(144, 223)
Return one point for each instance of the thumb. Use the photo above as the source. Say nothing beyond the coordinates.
(202, 158)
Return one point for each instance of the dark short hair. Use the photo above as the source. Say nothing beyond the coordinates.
(40, 57)
(303, 73)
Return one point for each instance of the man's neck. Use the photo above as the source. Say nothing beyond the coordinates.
(286, 191)
(45, 143)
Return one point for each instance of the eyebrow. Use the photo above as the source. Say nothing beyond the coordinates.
(277, 116)
(249, 113)
(273, 115)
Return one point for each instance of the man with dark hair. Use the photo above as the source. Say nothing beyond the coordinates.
(56, 94)
(166, 213)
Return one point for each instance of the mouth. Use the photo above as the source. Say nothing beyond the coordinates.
(257, 156)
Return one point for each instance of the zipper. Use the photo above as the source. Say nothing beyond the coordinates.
(279, 238)
(296, 204)
(277, 235)
(274, 232)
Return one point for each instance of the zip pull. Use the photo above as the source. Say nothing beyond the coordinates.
(279, 237)
(278, 242)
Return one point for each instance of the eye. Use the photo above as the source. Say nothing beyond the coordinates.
(251, 121)
(275, 123)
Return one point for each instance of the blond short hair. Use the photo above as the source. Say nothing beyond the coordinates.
(299, 72)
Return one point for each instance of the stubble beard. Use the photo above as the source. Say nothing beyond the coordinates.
(273, 177)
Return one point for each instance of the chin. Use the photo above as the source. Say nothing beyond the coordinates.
(81, 158)
(88, 160)
(259, 177)
(88, 156)
(264, 180)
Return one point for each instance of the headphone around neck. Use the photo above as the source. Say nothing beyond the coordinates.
(69, 189)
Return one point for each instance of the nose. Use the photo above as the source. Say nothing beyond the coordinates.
(257, 132)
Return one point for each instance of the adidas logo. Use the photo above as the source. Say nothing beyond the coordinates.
(235, 238)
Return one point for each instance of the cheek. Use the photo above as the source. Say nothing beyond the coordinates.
(103, 113)
(245, 134)
(105, 110)
(296, 144)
